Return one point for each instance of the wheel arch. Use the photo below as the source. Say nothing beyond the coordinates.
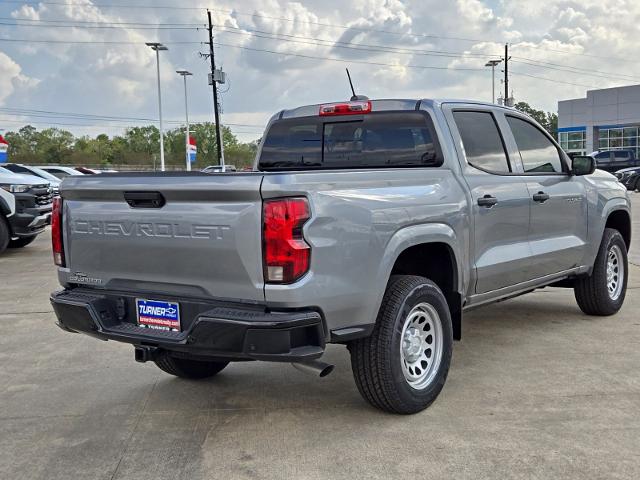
(619, 219)
(432, 251)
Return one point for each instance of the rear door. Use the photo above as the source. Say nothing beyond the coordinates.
(500, 200)
(173, 234)
(558, 226)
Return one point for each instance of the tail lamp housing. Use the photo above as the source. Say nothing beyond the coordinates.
(56, 232)
(286, 255)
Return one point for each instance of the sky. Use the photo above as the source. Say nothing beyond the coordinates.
(82, 65)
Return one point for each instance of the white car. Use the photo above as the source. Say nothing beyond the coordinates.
(59, 171)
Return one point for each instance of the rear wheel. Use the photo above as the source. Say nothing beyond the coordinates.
(602, 293)
(22, 241)
(186, 368)
(403, 365)
(4, 234)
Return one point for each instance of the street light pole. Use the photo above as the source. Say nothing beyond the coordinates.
(492, 64)
(157, 47)
(185, 74)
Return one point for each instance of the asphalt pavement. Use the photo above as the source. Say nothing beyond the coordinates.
(536, 390)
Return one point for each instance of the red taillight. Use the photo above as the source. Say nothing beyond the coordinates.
(56, 232)
(286, 254)
(349, 108)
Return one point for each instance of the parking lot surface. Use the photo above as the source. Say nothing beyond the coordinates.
(536, 390)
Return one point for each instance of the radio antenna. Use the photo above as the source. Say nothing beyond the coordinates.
(354, 97)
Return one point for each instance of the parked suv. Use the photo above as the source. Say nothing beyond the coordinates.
(614, 160)
(36, 172)
(630, 178)
(371, 224)
(25, 208)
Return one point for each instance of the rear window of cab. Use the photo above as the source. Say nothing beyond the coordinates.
(374, 140)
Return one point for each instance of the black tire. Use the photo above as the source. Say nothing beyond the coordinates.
(4, 234)
(185, 368)
(592, 292)
(21, 242)
(376, 361)
(636, 187)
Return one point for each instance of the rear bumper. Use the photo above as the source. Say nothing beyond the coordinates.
(212, 330)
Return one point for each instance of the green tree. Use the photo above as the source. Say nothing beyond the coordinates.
(548, 120)
(54, 145)
(138, 146)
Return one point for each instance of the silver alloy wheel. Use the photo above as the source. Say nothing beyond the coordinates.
(421, 346)
(615, 272)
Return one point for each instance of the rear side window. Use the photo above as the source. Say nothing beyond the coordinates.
(393, 139)
(621, 155)
(538, 153)
(482, 142)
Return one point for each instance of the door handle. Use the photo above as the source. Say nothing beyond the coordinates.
(540, 197)
(144, 199)
(487, 201)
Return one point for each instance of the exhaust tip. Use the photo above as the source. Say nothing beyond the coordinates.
(314, 367)
(326, 370)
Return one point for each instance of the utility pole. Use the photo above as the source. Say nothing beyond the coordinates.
(506, 73)
(215, 94)
(157, 47)
(492, 64)
(185, 74)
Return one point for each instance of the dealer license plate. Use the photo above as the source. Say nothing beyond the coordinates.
(158, 314)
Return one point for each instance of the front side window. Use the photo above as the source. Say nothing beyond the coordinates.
(538, 153)
(482, 142)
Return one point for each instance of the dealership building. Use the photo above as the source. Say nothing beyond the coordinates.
(607, 119)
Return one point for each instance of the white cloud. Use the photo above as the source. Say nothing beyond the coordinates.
(12, 78)
(120, 79)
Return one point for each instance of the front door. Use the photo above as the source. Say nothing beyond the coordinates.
(558, 225)
(500, 201)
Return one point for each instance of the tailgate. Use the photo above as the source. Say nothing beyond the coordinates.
(205, 240)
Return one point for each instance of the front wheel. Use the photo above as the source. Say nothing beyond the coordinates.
(403, 365)
(186, 368)
(602, 293)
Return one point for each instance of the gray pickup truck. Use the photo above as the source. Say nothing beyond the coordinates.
(373, 224)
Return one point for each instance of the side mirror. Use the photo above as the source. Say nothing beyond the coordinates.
(583, 165)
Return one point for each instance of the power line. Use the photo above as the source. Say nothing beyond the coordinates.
(88, 22)
(553, 80)
(83, 116)
(341, 60)
(119, 27)
(90, 42)
(253, 14)
(350, 45)
(115, 42)
(326, 43)
(564, 52)
(573, 69)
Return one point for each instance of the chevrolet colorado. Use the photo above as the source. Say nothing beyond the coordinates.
(372, 224)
